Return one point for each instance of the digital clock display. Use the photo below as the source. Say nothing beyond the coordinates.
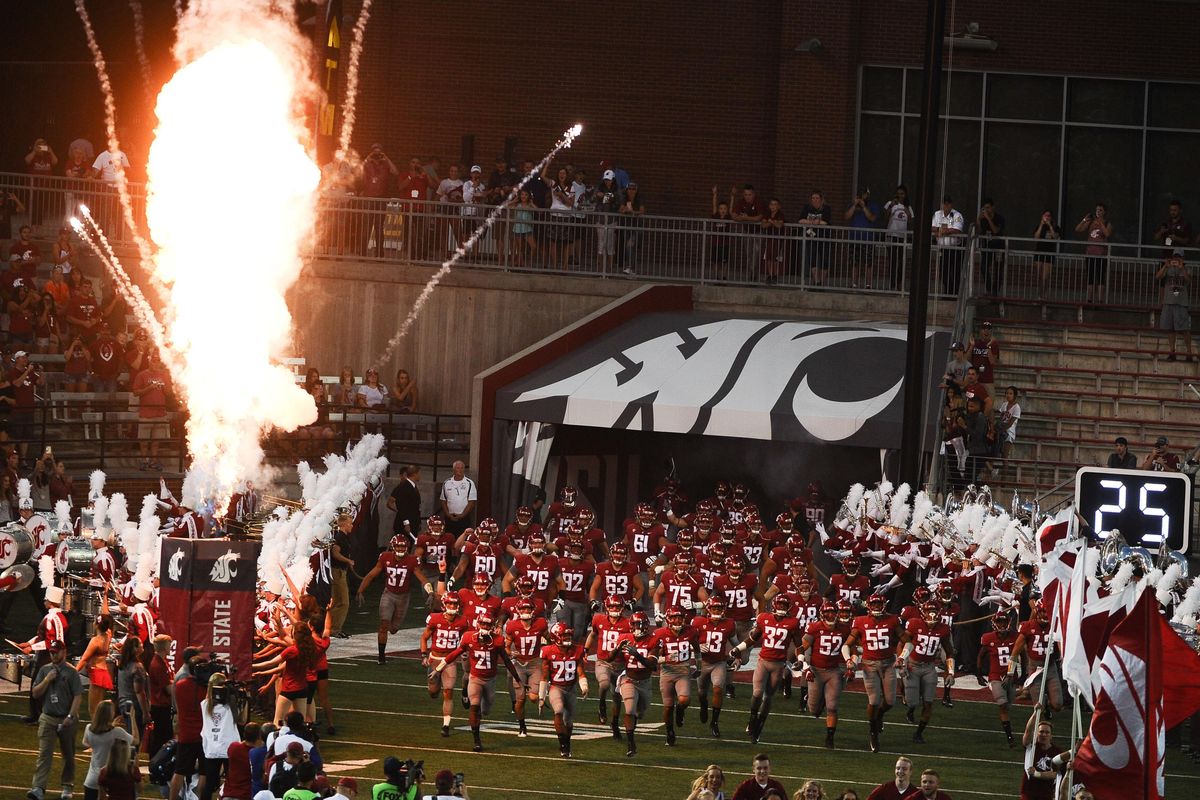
(1148, 508)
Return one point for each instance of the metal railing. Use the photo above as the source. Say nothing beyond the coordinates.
(104, 434)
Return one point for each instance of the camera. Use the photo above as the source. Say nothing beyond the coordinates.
(408, 774)
(204, 670)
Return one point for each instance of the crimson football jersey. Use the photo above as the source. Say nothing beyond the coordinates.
(827, 641)
(563, 665)
(926, 639)
(577, 578)
(634, 668)
(525, 643)
(544, 573)
(445, 634)
(482, 559)
(483, 660)
(852, 589)
(676, 648)
(996, 647)
(739, 596)
(473, 605)
(878, 636)
(1037, 636)
(807, 611)
(616, 580)
(518, 537)
(607, 633)
(680, 590)
(642, 542)
(508, 606)
(434, 548)
(777, 634)
(398, 572)
(713, 637)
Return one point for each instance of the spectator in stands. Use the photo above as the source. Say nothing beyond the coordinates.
(811, 790)
(863, 214)
(718, 246)
(105, 166)
(57, 286)
(150, 387)
(523, 235)
(984, 352)
(22, 305)
(404, 393)
(113, 308)
(10, 205)
(47, 333)
(815, 215)
(345, 391)
(990, 226)
(1174, 317)
(949, 230)
(711, 780)
(8, 499)
(61, 484)
(258, 758)
(899, 217)
(371, 393)
(774, 246)
(24, 255)
(414, 188)
(499, 186)
(84, 311)
(749, 210)
(450, 190)
(1008, 414)
(1174, 232)
(295, 782)
(900, 786)
(238, 784)
(78, 163)
(631, 211)
(1160, 459)
(77, 365)
(760, 782)
(956, 369)
(447, 787)
(378, 171)
(619, 174)
(1097, 228)
(562, 202)
(539, 187)
(607, 198)
(474, 198)
(1121, 458)
(24, 377)
(106, 363)
(976, 439)
(931, 786)
(1048, 234)
(137, 353)
(972, 385)
(40, 162)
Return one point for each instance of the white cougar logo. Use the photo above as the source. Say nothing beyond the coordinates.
(225, 568)
(175, 566)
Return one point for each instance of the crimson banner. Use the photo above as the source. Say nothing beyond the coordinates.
(207, 597)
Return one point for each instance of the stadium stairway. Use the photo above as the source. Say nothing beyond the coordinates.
(1085, 376)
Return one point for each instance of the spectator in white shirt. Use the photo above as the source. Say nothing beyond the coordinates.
(1008, 413)
(458, 498)
(104, 167)
(899, 215)
(948, 228)
(371, 393)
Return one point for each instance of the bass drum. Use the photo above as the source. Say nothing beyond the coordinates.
(16, 578)
(16, 545)
(74, 557)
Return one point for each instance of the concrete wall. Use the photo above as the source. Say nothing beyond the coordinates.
(346, 312)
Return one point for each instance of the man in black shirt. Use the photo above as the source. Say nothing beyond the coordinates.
(1122, 458)
(405, 500)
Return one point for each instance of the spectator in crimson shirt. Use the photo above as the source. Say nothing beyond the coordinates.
(900, 787)
(749, 209)
(415, 185)
(24, 255)
(378, 170)
(24, 378)
(189, 753)
(1159, 459)
(238, 785)
(150, 387)
(107, 360)
(760, 783)
(84, 312)
(137, 353)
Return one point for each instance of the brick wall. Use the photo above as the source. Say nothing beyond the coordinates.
(688, 95)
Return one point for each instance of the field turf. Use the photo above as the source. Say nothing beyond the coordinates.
(384, 710)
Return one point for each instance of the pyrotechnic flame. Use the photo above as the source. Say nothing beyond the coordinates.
(567, 139)
(231, 198)
(139, 42)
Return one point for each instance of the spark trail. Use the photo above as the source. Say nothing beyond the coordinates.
(139, 41)
(351, 99)
(565, 142)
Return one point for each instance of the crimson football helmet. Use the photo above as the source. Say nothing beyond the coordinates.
(639, 623)
(562, 635)
(740, 493)
(525, 609)
(676, 620)
(717, 555)
(618, 553)
(451, 604)
(568, 496)
(484, 621)
(804, 587)
(735, 567)
(946, 593)
(845, 611)
(525, 586)
(796, 546)
(722, 490)
(575, 551)
(399, 544)
(645, 514)
(921, 595)
(586, 518)
(1042, 610)
(829, 612)
(785, 522)
(481, 584)
(877, 604)
(931, 611)
(715, 607)
(684, 563)
(781, 605)
(1002, 621)
(537, 542)
(524, 515)
(436, 525)
(613, 607)
(851, 565)
(685, 539)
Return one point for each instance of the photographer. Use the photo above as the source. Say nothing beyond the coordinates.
(1159, 459)
(24, 377)
(403, 780)
(294, 731)
(220, 731)
(448, 787)
(190, 687)
(305, 774)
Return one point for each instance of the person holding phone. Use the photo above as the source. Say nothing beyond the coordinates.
(1048, 234)
(448, 786)
(1098, 230)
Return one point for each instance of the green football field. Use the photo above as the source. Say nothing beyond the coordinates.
(385, 710)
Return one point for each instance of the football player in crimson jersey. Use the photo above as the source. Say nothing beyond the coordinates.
(577, 574)
(777, 631)
(948, 607)
(435, 547)
(595, 542)
(478, 602)
(711, 564)
(826, 670)
(714, 636)
(877, 633)
(565, 508)
(606, 631)
(679, 655)
(562, 666)
(849, 584)
(400, 567)
(485, 649)
(524, 587)
(1033, 637)
(995, 650)
(812, 510)
(539, 566)
(637, 652)
(920, 596)
(807, 604)
(645, 538)
(781, 559)
(680, 588)
(482, 556)
(524, 635)
(616, 577)
(518, 532)
(924, 640)
(443, 632)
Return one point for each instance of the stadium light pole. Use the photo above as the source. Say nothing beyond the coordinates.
(911, 444)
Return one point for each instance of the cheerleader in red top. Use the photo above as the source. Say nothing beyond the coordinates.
(94, 661)
(292, 666)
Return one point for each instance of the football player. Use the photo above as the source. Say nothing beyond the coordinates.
(565, 508)
(995, 650)
(826, 672)
(481, 556)
(1033, 638)
(524, 636)
(925, 639)
(443, 633)
(435, 547)
(606, 631)
(877, 634)
(678, 645)
(714, 636)
(519, 531)
(577, 570)
(848, 584)
(562, 664)
(645, 537)
(616, 577)
(539, 565)
(638, 653)
(680, 588)
(486, 650)
(777, 631)
(399, 566)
